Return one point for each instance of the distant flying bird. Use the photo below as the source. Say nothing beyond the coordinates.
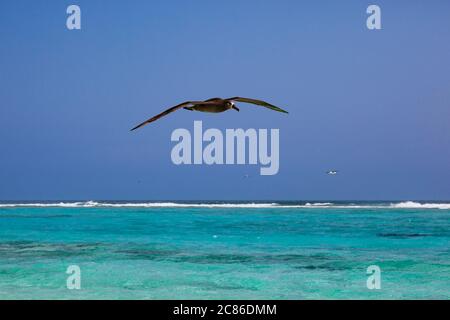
(332, 172)
(214, 105)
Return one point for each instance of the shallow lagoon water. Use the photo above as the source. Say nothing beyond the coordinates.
(224, 251)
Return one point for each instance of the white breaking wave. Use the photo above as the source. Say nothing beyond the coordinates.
(318, 205)
(91, 204)
(417, 205)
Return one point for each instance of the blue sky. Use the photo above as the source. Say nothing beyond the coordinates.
(373, 104)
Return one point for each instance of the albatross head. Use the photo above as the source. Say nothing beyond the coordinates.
(231, 105)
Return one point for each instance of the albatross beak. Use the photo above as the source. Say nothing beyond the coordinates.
(235, 108)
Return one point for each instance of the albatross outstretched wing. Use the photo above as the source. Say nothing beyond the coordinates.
(164, 113)
(257, 102)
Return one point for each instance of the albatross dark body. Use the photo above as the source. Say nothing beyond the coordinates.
(211, 108)
(215, 105)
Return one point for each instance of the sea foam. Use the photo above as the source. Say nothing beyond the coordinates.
(318, 205)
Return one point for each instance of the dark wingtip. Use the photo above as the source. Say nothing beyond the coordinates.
(281, 110)
(136, 127)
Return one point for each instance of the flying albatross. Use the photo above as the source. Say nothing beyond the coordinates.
(214, 105)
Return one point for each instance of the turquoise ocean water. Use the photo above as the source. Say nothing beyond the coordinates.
(279, 250)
